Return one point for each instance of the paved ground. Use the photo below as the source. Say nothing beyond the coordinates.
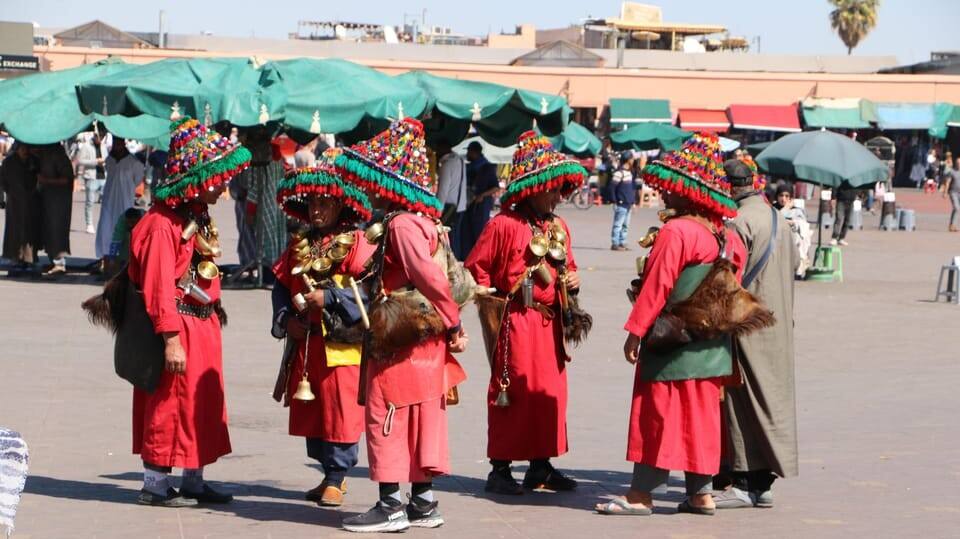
(876, 368)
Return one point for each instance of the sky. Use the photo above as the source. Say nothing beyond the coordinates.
(907, 29)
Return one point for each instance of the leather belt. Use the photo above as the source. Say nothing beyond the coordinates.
(198, 311)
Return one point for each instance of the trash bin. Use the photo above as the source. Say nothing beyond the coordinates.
(908, 220)
(888, 216)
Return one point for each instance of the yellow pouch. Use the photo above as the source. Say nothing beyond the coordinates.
(339, 354)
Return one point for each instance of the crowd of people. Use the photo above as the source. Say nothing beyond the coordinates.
(368, 292)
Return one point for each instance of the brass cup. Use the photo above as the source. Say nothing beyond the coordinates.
(302, 243)
(557, 251)
(322, 265)
(539, 245)
(559, 235)
(339, 252)
(346, 239)
(208, 270)
(374, 232)
(647, 240)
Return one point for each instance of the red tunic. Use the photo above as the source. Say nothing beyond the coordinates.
(183, 423)
(676, 425)
(406, 423)
(534, 426)
(334, 416)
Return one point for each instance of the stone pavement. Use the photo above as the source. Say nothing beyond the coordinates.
(876, 369)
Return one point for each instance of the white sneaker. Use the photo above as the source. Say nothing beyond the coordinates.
(833, 242)
(91, 230)
(843, 242)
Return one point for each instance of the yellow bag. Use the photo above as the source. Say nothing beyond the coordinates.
(341, 354)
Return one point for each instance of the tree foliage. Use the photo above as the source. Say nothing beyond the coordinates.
(853, 20)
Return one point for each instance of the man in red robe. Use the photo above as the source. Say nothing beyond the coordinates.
(527, 395)
(406, 423)
(183, 422)
(326, 314)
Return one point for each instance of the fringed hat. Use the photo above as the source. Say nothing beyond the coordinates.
(695, 172)
(393, 165)
(198, 159)
(537, 167)
(759, 180)
(321, 179)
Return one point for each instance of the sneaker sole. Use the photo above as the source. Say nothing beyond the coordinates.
(433, 522)
(386, 527)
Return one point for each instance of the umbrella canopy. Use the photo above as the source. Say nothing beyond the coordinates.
(241, 91)
(649, 136)
(499, 113)
(43, 108)
(577, 140)
(335, 96)
(824, 158)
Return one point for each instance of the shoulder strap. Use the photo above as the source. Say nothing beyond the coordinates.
(755, 270)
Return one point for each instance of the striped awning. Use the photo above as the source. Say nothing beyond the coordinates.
(781, 118)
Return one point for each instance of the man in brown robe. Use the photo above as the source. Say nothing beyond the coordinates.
(760, 414)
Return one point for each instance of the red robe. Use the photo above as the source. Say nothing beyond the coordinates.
(183, 423)
(406, 422)
(676, 425)
(534, 426)
(334, 416)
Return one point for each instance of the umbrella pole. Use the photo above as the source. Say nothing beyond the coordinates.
(820, 220)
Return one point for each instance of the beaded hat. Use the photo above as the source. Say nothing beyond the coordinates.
(393, 165)
(695, 172)
(321, 179)
(199, 159)
(538, 167)
(759, 180)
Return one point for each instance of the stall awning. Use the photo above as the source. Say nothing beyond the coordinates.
(709, 120)
(904, 115)
(781, 118)
(954, 119)
(627, 112)
(833, 113)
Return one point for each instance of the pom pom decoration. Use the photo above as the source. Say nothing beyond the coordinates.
(537, 167)
(759, 180)
(322, 179)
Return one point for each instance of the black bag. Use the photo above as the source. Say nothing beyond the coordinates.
(138, 349)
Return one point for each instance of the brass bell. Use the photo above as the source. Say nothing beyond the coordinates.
(303, 390)
(641, 264)
(539, 245)
(542, 273)
(503, 400)
(373, 232)
(557, 251)
(339, 252)
(208, 270)
(346, 239)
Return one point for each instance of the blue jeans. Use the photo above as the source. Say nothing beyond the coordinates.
(335, 458)
(621, 225)
(93, 190)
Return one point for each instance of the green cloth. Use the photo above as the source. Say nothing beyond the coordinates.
(500, 114)
(943, 114)
(625, 113)
(834, 118)
(577, 140)
(43, 109)
(694, 361)
(824, 158)
(650, 136)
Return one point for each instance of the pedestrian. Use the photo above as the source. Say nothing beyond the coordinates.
(483, 184)
(952, 189)
(675, 417)
(760, 414)
(124, 174)
(624, 191)
(527, 393)
(18, 181)
(845, 197)
(269, 223)
(316, 311)
(405, 387)
(306, 155)
(452, 191)
(239, 189)
(183, 422)
(91, 165)
(55, 182)
(608, 163)
(799, 227)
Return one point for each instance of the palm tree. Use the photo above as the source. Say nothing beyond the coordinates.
(853, 20)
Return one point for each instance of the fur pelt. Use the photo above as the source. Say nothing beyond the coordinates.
(338, 332)
(491, 309)
(405, 318)
(577, 324)
(106, 309)
(221, 313)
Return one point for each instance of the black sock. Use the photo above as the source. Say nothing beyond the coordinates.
(390, 494)
(539, 466)
(500, 465)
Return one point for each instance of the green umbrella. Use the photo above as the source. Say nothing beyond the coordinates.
(824, 158)
(337, 96)
(241, 91)
(43, 108)
(577, 140)
(499, 113)
(649, 136)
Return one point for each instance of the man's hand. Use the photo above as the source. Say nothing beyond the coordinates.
(174, 356)
(296, 328)
(631, 349)
(573, 280)
(314, 299)
(458, 343)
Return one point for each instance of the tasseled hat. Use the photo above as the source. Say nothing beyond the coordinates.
(393, 165)
(198, 159)
(538, 167)
(759, 180)
(321, 179)
(695, 172)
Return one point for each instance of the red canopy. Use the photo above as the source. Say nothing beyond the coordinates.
(765, 117)
(707, 120)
